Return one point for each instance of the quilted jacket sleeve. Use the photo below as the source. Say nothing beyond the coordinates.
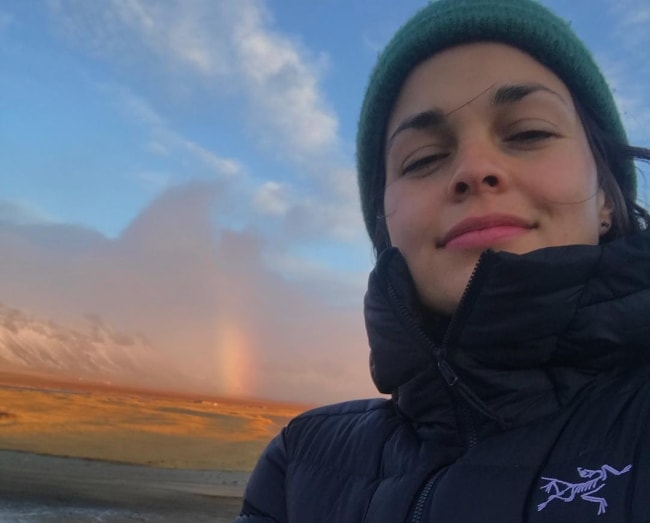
(265, 495)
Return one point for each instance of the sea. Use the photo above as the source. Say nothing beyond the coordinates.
(37, 488)
(29, 512)
(35, 512)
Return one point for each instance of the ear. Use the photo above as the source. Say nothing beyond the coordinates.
(605, 212)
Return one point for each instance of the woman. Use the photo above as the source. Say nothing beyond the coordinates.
(507, 313)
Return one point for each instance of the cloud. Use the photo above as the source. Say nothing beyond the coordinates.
(329, 208)
(203, 295)
(231, 48)
(229, 45)
(272, 198)
(156, 181)
(633, 17)
(23, 213)
(283, 85)
(222, 270)
(163, 139)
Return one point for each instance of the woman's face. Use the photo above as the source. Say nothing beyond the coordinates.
(484, 149)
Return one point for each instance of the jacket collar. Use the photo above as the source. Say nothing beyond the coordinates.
(530, 331)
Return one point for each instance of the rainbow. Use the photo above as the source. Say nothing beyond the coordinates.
(234, 370)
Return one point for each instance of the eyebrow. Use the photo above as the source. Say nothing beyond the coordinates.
(508, 94)
(431, 119)
(504, 95)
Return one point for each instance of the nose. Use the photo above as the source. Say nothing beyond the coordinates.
(479, 167)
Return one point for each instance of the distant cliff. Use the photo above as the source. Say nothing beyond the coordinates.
(97, 353)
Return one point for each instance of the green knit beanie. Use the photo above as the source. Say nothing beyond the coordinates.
(524, 24)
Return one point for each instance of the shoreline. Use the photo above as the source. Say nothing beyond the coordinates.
(151, 493)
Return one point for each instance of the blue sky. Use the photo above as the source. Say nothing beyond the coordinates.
(185, 169)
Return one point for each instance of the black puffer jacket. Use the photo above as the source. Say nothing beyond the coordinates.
(533, 407)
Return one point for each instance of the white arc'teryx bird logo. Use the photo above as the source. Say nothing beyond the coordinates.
(594, 481)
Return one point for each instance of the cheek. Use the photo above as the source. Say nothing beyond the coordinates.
(565, 179)
(407, 215)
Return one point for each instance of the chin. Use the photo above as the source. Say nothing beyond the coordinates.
(444, 299)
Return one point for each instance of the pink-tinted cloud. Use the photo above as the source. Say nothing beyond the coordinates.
(203, 297)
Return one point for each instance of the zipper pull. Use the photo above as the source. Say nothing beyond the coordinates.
(450, 376)
(447, 373)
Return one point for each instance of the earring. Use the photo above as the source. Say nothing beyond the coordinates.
(605, 225)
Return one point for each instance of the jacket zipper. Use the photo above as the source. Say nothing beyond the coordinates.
(427, 343)
(470, 290)
(453, 330)
(427, 490)
(451, 378)
(448, 374)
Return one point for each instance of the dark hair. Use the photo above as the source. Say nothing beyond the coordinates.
(380, 237)
(628, 216)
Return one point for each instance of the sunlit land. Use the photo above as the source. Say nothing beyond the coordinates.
(163, 429)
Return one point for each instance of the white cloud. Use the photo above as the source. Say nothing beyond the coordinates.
(163, 139)
(232, 47)
(330, 209)
(335, 209)
(283, 85)
(130, 30)
(272, 198)
(229, 44)
(225, 166)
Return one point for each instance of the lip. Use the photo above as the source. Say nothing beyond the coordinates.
(482, 231)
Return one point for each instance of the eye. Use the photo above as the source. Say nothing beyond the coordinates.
(530, 136)
(424, 164)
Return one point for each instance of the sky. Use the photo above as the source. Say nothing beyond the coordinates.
(184, 169)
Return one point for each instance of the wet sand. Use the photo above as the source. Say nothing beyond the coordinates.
(46, 489)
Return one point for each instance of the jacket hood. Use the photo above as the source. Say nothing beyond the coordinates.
(530, 330)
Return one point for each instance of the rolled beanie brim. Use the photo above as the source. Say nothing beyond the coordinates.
(523, 24)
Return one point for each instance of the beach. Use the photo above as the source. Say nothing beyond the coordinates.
(37, 488)
(75, 453)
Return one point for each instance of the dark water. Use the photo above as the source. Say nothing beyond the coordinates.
(36, 488)
(30, 512)
(221, 510)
